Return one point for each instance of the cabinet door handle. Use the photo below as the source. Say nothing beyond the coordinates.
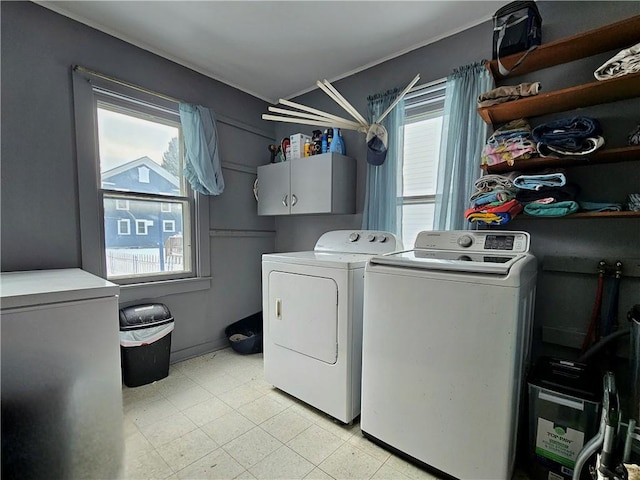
(294, 200)
(284, 200)
(278, 308)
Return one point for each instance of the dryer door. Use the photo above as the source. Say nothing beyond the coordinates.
(303, 314)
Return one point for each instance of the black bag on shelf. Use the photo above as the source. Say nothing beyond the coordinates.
(517, 27)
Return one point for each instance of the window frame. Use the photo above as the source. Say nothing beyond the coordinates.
(427, 101)
(144, 231)
(126, 204)
(169, 222)
(90, 194)
(127, 222)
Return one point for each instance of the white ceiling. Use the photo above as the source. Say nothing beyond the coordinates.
(278, 49)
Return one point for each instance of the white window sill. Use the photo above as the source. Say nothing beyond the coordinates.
(139, 291)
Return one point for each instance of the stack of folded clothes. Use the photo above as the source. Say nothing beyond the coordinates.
(546, 194)
(624, 62)
(493, 203)
(572, 136)
(509, 143)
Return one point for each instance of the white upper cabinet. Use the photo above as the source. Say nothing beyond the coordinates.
(323, 183)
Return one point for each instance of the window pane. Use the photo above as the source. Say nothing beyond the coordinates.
(421, 155)
(149, 248)
(415, 219)
(139, 154)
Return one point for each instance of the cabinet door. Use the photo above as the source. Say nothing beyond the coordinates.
(273, 189)
(311, 184)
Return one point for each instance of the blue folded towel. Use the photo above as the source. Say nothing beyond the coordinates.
(600, 207)
(536, 182)
(568, 133)
(558, 209)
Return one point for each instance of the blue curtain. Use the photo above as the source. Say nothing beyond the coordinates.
(382, 209)
(202, 167)
(463, 136)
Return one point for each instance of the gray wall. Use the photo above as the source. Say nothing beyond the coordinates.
(40, 208)
(564, 300)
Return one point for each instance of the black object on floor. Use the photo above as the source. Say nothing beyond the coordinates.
(245, 336)
(145, 343)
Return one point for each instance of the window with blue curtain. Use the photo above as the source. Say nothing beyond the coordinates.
(382, 210)
(463, 136)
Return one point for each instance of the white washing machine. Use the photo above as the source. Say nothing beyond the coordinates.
(446, 335)
(312, 310)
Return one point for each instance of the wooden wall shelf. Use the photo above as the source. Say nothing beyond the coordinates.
(588, 94)
(608, 155)
(617, 35)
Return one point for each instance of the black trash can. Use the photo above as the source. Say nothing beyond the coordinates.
(145, 343)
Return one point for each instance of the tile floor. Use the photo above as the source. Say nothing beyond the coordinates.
(214, 417)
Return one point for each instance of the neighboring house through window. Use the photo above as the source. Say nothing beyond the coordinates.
(424, 109)
(141, 185)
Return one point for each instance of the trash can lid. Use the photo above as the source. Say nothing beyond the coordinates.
(570, 378)
(145, 315)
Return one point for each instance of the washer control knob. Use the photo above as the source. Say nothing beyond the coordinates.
(354, 237)
(382, 239)
(465, 241)
(371, 237)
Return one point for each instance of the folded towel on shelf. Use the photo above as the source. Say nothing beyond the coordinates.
(589, 145)
(634, 202)
(567, 192)
(511, 150)
(624, 62)
(495, 215)
(599, 207)
(519, 128)
(558, 209)
(568, 133)
(536, 182)
(508, 93)
(512, 207)
(492, 197)
(488, 183)
(499, 218)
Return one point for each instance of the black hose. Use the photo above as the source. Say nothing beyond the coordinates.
(602, 343)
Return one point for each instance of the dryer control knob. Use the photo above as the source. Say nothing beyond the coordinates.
(354, 236)
(371, 238)
(465, 241)
(382, 239)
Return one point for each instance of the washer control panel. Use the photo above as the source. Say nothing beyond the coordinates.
(474, 241)
(375, 242)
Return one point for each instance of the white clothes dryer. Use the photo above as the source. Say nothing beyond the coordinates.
(312, 311)
(446, 338)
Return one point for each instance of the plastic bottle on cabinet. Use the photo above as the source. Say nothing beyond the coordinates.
(317, 142)
(337, 144)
